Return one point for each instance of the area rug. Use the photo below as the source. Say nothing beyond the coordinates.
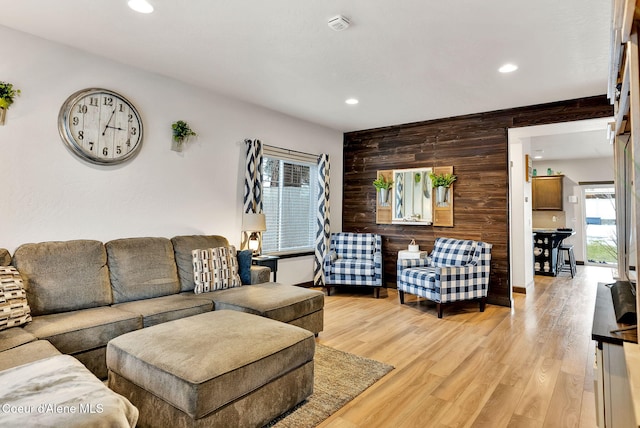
(339, 377)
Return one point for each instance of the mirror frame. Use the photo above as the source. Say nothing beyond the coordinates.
(425, 191)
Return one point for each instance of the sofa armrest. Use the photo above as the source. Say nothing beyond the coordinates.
(260, 274)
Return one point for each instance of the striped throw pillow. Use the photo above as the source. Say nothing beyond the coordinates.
(14, 309)
(215, 269)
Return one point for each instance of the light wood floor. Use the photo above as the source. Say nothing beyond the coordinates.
(526, 366)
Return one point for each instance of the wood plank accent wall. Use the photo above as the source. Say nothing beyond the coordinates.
(477, 147)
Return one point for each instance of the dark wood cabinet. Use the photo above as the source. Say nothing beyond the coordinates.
(547, 193)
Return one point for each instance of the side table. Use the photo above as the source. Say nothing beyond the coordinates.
(269, 261)
(405, 254)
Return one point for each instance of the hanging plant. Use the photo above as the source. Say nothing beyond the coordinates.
(182, 131)
(442, 180)
(382, 183)
(7, 94)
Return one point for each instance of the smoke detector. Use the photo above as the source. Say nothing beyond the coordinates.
(339, 23)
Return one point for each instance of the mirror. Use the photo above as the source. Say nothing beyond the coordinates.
(411, 201)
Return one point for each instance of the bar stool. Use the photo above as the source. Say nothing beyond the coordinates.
(563, 266)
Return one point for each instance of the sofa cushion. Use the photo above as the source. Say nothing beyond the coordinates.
(78, 331)
(14, 309)
(64, 276)
(452, 252)
(167, 308)
(271, 300)
(215, 269)
(141, 268)
(5, 257)
(12, 337)
(183, 246)
(27, 353)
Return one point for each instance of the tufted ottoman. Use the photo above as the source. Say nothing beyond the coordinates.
(221, 368)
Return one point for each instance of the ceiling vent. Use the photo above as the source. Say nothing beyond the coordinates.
(339, 23)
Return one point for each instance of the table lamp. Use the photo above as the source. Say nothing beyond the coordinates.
(253, 224)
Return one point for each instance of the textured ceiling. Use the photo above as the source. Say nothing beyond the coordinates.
(406, 61)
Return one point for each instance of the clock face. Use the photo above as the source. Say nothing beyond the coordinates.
(100, 126)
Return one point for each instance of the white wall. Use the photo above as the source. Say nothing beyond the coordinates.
(576, 171)
(521, 259)
(50, 194)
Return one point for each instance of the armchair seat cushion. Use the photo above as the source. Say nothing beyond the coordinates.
(353, 267)
(422, 277)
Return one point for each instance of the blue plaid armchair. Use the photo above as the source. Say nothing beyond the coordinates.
(455, 270)
(354, 259)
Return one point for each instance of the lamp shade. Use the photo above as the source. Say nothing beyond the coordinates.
(253, 222)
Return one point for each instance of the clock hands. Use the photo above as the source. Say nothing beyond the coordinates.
(114, 127)
(109, 121)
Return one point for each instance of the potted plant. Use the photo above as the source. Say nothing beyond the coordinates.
(181, 133)
(7, 94)
(383, 186)
(442, 182)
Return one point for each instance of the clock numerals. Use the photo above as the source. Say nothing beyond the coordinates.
(100, 126)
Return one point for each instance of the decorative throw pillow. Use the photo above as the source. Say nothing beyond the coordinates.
(14, 309)
(215, 269)
(452, 252)
(244, 266)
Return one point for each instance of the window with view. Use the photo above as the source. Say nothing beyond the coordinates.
(289, 202)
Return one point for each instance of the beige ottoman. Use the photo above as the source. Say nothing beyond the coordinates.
(217, 369)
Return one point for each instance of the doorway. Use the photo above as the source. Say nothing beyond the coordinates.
(601, 240)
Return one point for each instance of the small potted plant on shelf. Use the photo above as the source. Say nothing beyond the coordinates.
(181, 134)
(7, 94)
(442, 182)
(383, 186)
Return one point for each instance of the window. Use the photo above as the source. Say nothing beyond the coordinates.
(289, 201)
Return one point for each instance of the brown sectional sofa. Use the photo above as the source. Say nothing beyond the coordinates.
(84, 293)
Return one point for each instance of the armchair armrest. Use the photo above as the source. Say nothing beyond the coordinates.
(329, 258)
(377, 266)
(462, 282)
(403, 264)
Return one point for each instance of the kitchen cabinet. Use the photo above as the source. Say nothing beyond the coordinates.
(545, 250)
(547, 193)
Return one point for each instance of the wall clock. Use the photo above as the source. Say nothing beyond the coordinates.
(100, 126)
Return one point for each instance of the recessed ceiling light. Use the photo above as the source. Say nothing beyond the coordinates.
(352, 101)
(508, 68)
(142, 6)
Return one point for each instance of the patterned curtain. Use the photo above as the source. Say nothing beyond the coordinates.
(322, 223)
(252, 202)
